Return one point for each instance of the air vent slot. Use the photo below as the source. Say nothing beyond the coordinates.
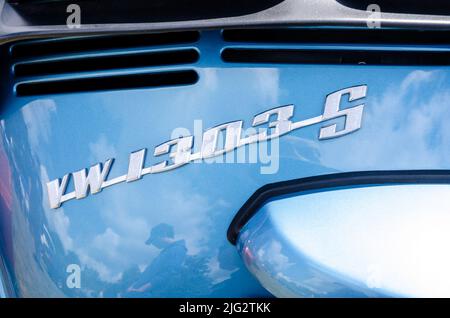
(359, 57)
(337, 46)
(108, 62)
(128, 81)
(338, 36)
(93, 43)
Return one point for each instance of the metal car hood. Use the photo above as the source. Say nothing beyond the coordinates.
(109, 234)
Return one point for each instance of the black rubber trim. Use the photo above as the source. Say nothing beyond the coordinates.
(330, 181)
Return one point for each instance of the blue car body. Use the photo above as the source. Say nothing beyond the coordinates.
(165, 235)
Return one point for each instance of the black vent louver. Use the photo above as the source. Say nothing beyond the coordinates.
(97, 63)
(337, 46)
(107, 82)
(104, 62)
(94, 43)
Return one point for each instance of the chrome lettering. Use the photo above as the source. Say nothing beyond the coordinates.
(92, 181)
(179, 150)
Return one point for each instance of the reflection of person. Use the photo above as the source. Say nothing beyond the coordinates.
(166, 266)
(169, 260)
(173, 273)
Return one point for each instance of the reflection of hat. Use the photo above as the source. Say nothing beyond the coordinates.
(160, 234)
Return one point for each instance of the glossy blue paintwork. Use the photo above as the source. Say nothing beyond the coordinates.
(189, 209)
(364, 241)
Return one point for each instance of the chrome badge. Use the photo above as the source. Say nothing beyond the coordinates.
(179, 150)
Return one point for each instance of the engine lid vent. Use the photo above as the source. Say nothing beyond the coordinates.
(347, 57)
(88, 84)
(337, 46)
(337, 36)
(95, 43)
(95, 63)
